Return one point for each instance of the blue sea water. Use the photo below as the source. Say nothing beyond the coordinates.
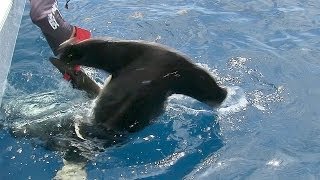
(265, 52)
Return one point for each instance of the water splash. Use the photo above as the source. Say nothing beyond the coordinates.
(235, 101)
(248, 91)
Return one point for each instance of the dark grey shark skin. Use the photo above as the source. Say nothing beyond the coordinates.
(79, 79)
(144, 74)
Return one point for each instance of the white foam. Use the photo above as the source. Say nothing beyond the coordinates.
(234, 102)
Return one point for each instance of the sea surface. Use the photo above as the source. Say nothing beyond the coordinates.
(266, 52)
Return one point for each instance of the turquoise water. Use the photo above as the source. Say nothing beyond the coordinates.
(265, 52)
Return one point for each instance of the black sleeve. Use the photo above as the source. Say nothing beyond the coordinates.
(45, 14)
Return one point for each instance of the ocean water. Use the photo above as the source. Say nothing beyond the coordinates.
(265, 52)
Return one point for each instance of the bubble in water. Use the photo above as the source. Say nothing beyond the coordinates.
(274, 163)
(148, 138)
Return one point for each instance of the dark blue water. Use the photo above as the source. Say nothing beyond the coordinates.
(265, 52)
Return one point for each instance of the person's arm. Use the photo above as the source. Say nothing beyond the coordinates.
(45, 14)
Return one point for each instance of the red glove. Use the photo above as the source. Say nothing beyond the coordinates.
(81, 34)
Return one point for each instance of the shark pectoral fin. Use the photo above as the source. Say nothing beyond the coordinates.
(199, 84)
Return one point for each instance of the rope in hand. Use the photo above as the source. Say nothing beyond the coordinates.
(67, 6)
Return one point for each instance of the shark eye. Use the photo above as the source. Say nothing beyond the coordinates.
(68, 58)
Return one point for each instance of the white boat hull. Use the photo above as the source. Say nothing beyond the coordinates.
(10, 18)
(5, 6)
